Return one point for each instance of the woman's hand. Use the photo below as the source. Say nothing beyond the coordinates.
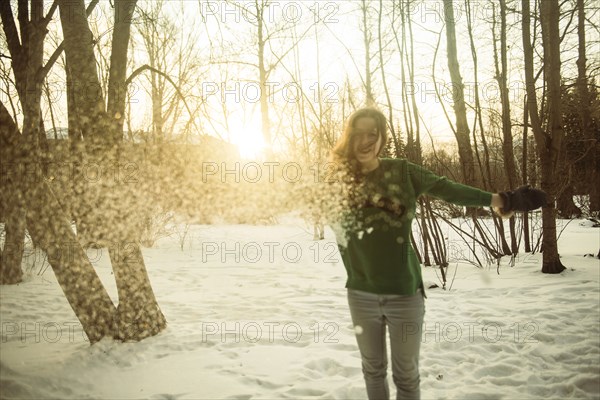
(497, 201)
(522, 199)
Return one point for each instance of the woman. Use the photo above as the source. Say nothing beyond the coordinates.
(385, 288)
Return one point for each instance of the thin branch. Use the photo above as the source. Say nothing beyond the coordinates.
(272, 66)
(234, 62)
(350, 53)
(437, 92)
(167, 77)
(10, 30)
(51, 12)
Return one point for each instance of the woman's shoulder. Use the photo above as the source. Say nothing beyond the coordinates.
(390, 162)
(394, 168)
(401, 168)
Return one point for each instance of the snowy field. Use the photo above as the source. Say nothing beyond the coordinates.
(259, 312)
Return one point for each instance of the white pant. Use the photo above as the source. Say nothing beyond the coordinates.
(403, 315)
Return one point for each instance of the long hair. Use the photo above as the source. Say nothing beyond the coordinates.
(343, 152)
(344, 181)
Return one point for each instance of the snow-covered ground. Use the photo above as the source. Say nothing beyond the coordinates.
(260, 312)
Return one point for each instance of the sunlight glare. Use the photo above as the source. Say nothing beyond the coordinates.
(247, 136)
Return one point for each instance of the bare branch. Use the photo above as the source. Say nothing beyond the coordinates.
(61, 47)
(167, 77)
(10, 30)
(51, 12)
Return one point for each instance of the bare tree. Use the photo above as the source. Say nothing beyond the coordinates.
(26, 48)
(461, 132)
(593, 157)
(269, 40)
(507, 139)
(367, 39)
(549, 142)
(158, 34)
(46, 222)
(401, 44)
(49, 227)
(138, 315)
(484, 164)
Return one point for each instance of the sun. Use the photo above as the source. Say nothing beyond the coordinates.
(247, 135)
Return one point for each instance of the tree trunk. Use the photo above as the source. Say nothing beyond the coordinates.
(499, 222)
(595, 175)
(551, 263)
(424, 233)
(507, 143)
(85, 85)
(501, 76)
(462, 126)
(75, 274)
(109, 210)
(12, 255)
(85, 109)
(592, 159)
(486, 172)
(383, 73)
(549, 143)
(117, 90)
(13, 209)
(550, 13)
(370, 100)
(524, 179)
(48, 224)
(27, 50)
(138, 314)
(262, 76)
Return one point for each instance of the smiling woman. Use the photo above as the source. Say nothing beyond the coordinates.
(385, 288)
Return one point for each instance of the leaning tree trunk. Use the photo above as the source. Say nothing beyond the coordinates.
(114, 222)
(74, 272)
(85, 105)
(51, 228)
(45, 219)
(26, 49)
(138, 313)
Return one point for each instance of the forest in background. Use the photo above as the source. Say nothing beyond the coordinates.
(116, 115)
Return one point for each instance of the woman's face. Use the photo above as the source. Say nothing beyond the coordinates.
(366, 140)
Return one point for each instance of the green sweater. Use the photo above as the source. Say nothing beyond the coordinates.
(377, 252)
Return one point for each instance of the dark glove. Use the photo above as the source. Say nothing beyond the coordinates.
(523, 199)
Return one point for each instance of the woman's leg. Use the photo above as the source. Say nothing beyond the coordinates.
(369, 325)
(404, 315)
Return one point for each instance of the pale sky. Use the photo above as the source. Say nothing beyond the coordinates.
(214, 29)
